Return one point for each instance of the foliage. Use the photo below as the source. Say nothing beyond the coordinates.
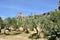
(1, 23)
(50, 23)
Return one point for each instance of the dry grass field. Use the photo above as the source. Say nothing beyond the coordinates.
(22, 36)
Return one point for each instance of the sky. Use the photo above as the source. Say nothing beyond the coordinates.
(9, 8)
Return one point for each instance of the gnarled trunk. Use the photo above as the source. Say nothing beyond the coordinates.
(39, 30)
(0, 31)
(25, 30)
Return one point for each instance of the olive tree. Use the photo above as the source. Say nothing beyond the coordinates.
(1, 24)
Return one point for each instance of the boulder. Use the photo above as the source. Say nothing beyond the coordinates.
(6, 32)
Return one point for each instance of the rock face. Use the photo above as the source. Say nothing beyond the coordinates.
(21, 28)
(18, 16)
(2, 31)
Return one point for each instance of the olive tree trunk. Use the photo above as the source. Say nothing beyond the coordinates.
(0, 30)
(39, 30)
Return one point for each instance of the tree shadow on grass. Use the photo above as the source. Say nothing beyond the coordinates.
(34, 36)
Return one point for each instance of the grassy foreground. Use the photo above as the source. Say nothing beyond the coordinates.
(22, 36)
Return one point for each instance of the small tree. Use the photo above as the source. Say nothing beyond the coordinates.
(8, 23)
(1, 24)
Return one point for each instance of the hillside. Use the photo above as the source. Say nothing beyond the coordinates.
(46, 26)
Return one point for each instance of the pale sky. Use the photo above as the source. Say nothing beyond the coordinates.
(9, 8)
